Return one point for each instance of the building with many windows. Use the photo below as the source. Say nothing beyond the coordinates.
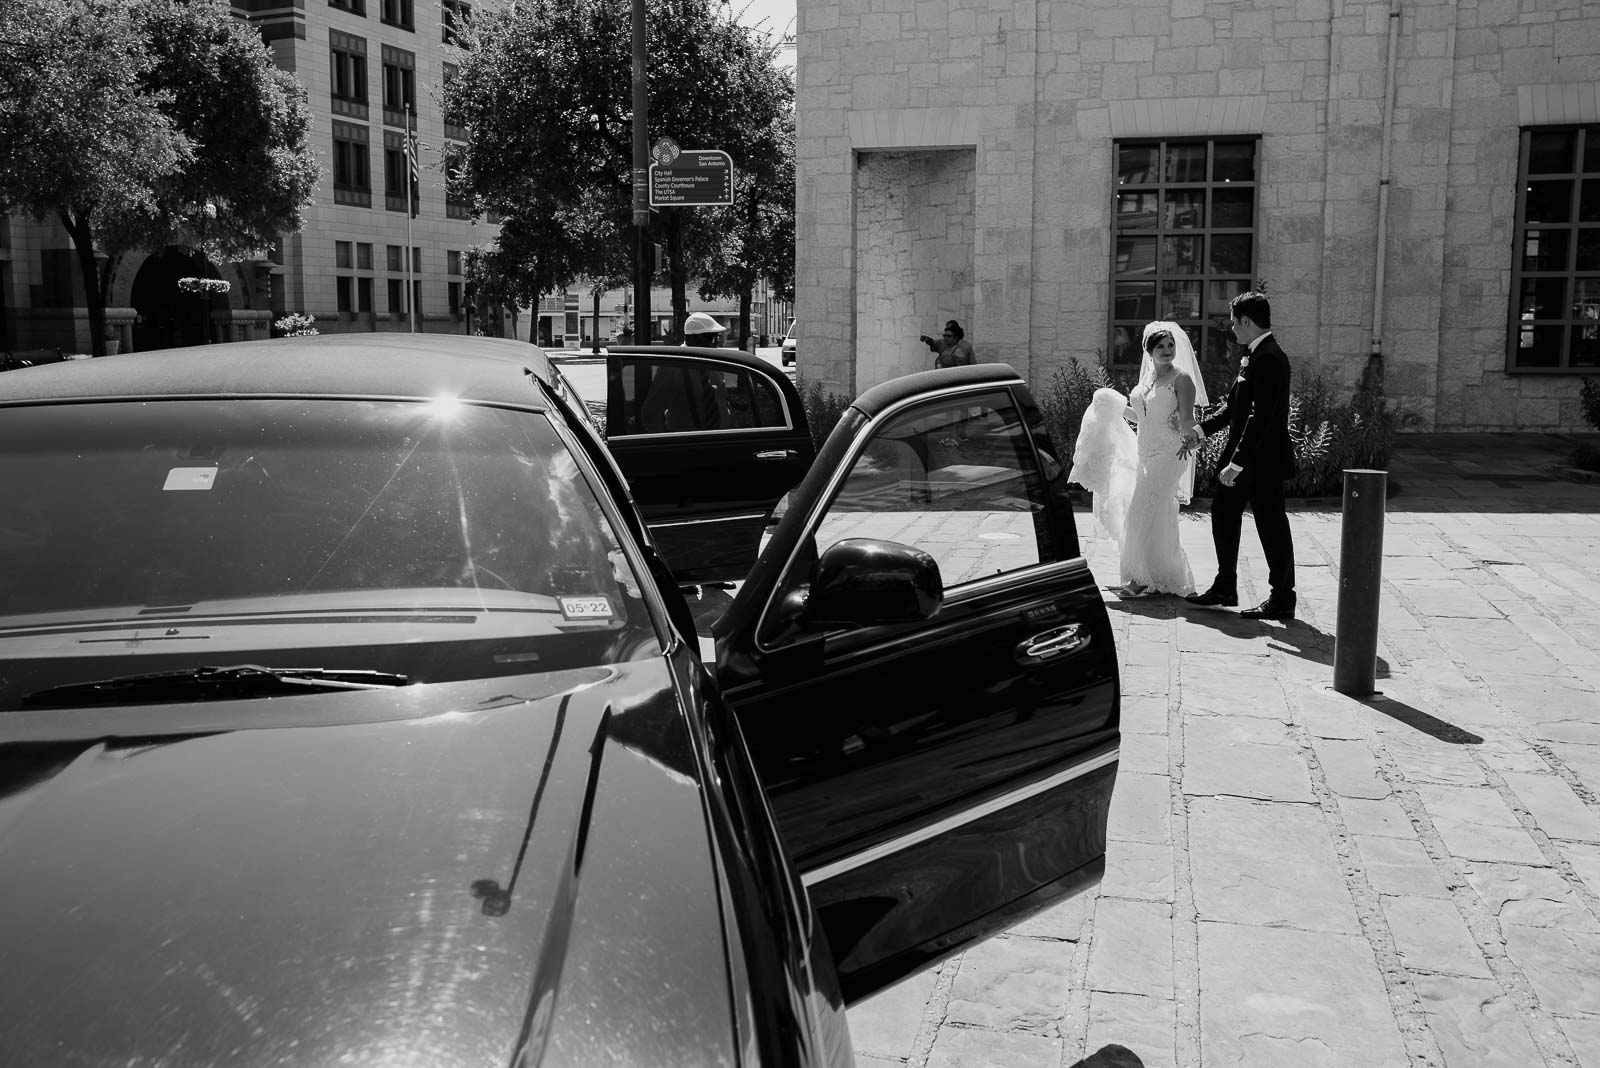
(1416, 183)
(368, 66)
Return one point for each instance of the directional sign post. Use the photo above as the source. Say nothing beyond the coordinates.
(695, 177)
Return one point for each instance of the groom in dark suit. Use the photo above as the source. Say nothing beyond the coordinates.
(1256, 461)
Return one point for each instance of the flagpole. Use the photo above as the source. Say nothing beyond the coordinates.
(411, 168)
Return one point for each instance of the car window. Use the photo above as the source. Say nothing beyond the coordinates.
(955, 478)
(440, 540)
(669, 396)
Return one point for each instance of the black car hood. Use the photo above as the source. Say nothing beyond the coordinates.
(523, 866)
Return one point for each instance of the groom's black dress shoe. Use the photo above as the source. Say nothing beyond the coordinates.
(1214, 598)
(1269, 609)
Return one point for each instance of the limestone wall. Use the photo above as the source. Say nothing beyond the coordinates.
(1039, 92)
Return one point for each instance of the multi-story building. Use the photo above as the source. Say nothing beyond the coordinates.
(367, 66)
(1416, 182)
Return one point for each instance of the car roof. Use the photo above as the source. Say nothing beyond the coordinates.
(390, 365)
(888, 394)
(738, 356)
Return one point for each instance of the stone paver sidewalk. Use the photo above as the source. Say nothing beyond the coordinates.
(1300, 878)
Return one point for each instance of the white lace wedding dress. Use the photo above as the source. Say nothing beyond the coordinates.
(1152, 554)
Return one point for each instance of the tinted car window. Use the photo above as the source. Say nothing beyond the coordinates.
(957, 480)
(441, 540)
(677, 396)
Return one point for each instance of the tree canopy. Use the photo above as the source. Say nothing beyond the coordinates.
(143, 123)
(544, 91)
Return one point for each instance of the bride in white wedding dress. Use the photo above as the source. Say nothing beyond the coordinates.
(1162, 406)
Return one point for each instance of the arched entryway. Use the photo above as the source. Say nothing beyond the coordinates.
(168, 317)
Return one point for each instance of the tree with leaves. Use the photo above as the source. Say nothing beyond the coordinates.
(544, 91)
(144, 123)
(758, 228)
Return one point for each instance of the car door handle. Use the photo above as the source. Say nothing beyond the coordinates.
(775, 454)
(1053, 643)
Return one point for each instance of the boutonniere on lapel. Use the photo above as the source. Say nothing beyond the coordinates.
(1244, 363)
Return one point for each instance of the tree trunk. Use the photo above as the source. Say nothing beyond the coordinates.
(93, 294)
(744, 316)
(678, 272)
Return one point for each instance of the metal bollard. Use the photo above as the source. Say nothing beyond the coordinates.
(1355, 649)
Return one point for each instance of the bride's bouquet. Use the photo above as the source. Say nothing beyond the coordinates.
(1105, 459)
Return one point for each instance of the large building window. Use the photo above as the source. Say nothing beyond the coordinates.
(398, 13)
(452, 125)
(456, 203)
(1183, 241)
(355, 7)
(349, 74)
(399, 85)
(456, 14)
(352, 177)
(1555, 283)
(396, 168)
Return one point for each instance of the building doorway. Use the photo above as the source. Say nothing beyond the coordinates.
(169, 318)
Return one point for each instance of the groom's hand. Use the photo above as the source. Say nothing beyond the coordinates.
(1230, 474)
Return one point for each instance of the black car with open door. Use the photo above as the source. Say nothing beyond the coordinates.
(710, 440)
(349, 713)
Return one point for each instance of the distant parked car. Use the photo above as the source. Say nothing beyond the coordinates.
(788, 345)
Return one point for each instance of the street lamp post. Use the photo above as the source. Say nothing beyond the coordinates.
(641, 180)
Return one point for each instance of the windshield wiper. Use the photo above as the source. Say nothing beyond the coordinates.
(240, 681)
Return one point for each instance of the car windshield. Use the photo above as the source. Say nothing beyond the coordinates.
(433, 541)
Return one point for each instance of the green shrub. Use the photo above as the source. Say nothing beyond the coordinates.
(824, 409)
(1329, 435)
(1590, 394)
(1065, 398)
(295, 324)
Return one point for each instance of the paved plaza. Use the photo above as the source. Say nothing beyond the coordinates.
(1300, 878)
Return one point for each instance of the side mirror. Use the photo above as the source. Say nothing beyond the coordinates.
(864, 582)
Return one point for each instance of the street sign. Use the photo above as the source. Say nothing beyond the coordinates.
(698, 177)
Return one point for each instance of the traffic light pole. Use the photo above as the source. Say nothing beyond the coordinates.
(641, 184)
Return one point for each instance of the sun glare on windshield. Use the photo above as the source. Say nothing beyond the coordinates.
(443, 408)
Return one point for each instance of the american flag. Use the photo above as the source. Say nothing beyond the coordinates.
(413, 173)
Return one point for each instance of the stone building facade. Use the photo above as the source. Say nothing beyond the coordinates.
(1413, 181)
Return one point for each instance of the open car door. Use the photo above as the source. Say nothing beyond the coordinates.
(709, 440)
(923, 670)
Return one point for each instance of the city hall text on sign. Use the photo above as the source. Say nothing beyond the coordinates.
(697, 177)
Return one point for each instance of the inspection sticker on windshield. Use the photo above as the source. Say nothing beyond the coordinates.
(592, 607)
(190, 478)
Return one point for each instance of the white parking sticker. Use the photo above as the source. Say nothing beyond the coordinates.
(190, 478)
(594, 606)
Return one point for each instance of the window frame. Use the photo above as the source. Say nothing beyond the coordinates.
(769, 625)
(352, 164)
(1574, 227)
(399, 84)
(401, 13)
(453, 13)
(347, 64)
(1207, 329)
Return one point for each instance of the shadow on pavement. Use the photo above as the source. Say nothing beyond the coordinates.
(1111, 1056)
(1419, 720)
(1299, 638)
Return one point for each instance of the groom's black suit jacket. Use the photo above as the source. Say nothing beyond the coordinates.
(1257, 415)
